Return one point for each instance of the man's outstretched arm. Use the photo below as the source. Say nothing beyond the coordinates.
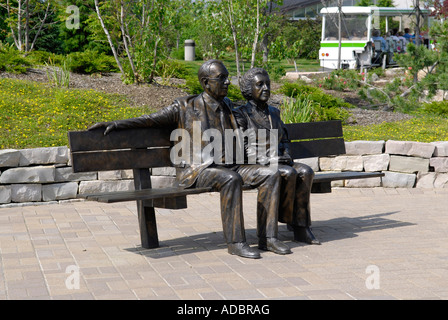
(166, 117)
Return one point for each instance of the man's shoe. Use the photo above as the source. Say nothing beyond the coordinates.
(304, 234)
(274, 245)
(242, 249)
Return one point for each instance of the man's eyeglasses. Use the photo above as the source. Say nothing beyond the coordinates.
(221, 78)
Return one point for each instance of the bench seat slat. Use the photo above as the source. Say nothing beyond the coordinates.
(345, 175)
(314, 130)
(120, 159)
(145, 194)
(317, 148)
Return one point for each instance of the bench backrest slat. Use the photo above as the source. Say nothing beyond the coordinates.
(120, 159)
(316, 139)
(317, 148)
(314, 130)
(95, 140)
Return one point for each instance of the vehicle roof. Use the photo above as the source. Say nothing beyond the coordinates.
(389, 11)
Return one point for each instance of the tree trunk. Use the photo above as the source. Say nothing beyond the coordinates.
(235, 41)
(125, 41)
(257, 33)
(27, 24)
(109, 38)
(40, 27)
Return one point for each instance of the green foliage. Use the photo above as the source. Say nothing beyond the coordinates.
(171, 68)
(59, 77)
(291, 89)
(325, 100)
(312, 100)
(12, 60)
(436, 107)
(275, 70)
(38, 57)
(193, 85)
(300, 109)
(297, 39)
(234, 93)
(90, 61)
(342, 79)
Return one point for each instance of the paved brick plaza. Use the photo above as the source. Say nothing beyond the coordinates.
(376, 244)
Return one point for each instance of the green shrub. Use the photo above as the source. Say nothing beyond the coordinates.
(315, 94)
(275, 71)
(328, 101)
(44, 57)
(12, 60)
(178, 53)
(297, 110)
(193, 85)
(293, 89)
(306, 108)
(342, 79)
(436, 107)
(171, 68)
(91, 61)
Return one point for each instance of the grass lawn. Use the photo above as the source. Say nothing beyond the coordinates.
(424, 128)
(36, 115)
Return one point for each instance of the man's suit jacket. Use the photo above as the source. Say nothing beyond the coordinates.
(182, 114)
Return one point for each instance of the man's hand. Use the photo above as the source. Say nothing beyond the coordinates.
(110, 126)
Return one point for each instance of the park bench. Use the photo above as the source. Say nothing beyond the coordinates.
(145, 148)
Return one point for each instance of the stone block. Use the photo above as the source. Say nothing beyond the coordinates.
(313, 163)
(162, 181)
(5, 194)
(67, 174)
(363, 183)
(441, 180)
(398, 180)
(164, 171)
(361, 147)
(426, 180)
(39, 174)
(127, 174)
(410, 148)
(325, 163)
(9, 158)
(51, 155)
(59, 191)
(441, 148)
(26, 192)
(440, 164)
(109, 175)
(432, 180)
(376, 162)
(100, 186)
(408, 164)
(347, 163)
(341, 163)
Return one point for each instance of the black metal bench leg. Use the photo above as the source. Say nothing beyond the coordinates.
(148, 226)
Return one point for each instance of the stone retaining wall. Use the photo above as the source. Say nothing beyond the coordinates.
(45, 174)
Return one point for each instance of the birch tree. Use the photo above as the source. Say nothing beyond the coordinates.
(141, 26)
(26, 20)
